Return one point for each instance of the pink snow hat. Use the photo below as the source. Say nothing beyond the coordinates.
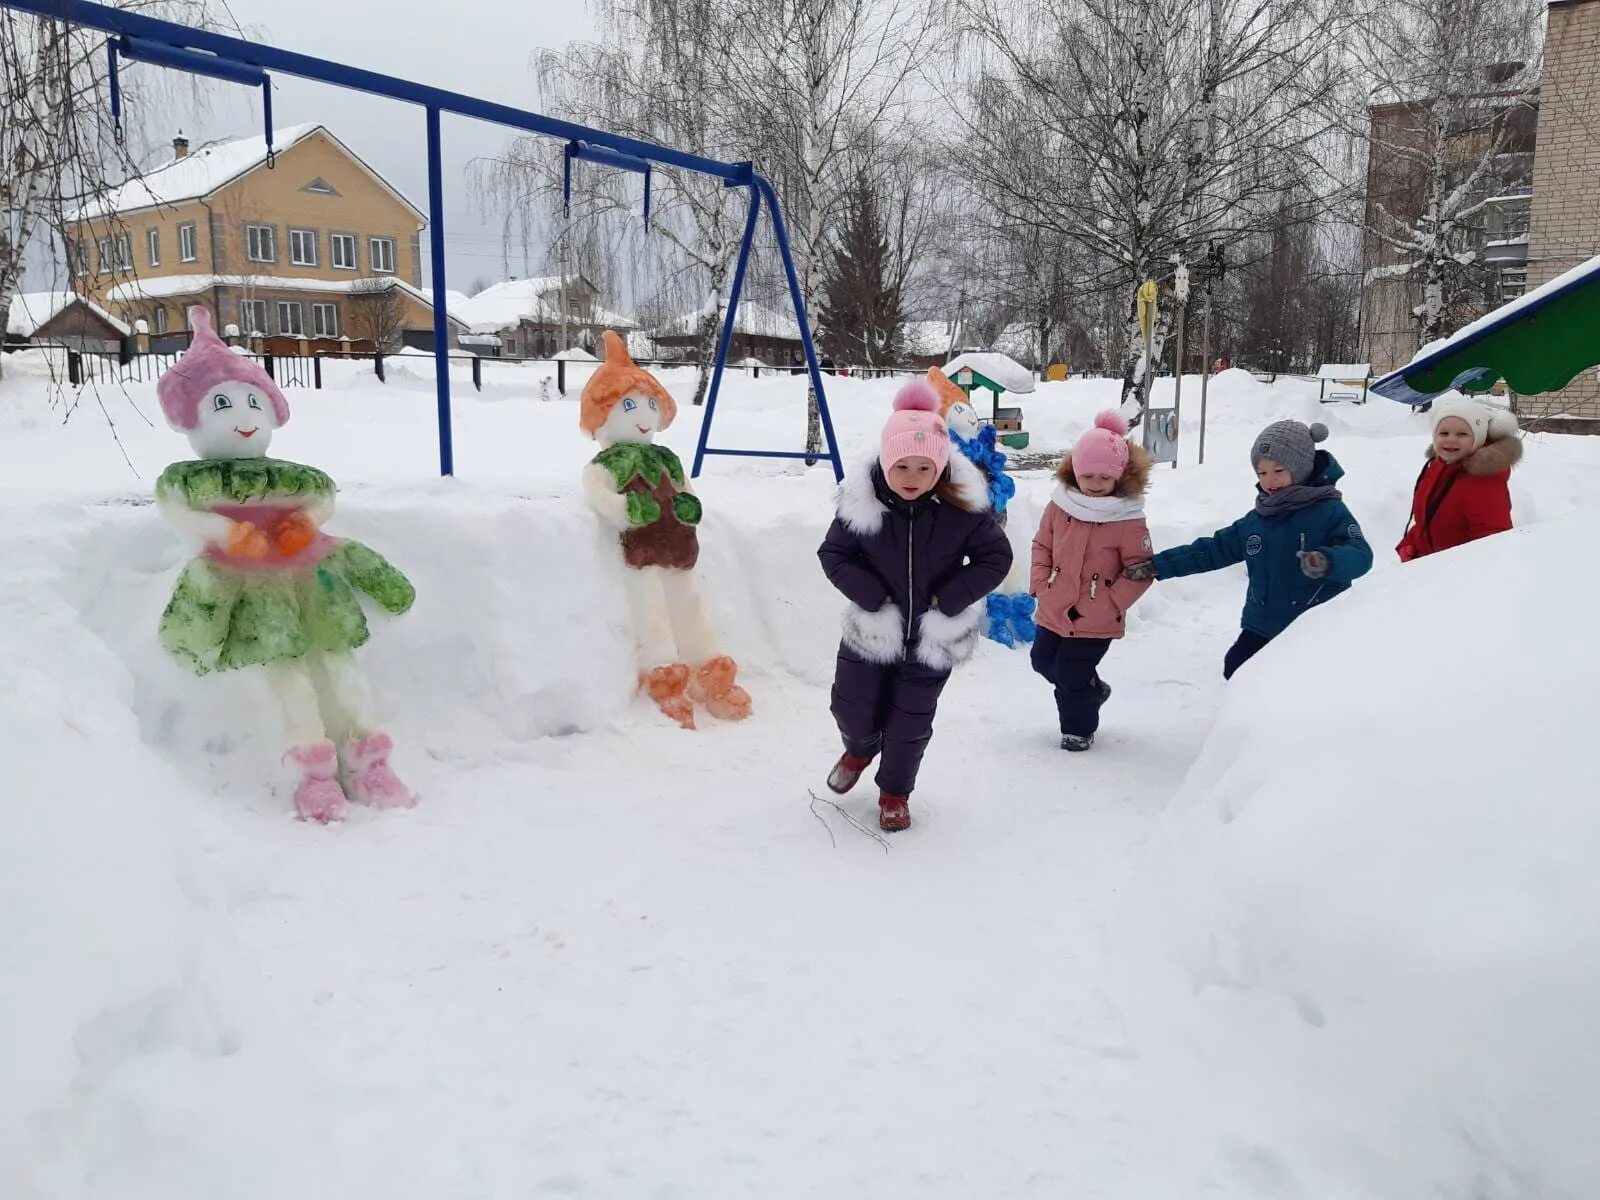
(915, 429)
(1103, 450)
(205, 364)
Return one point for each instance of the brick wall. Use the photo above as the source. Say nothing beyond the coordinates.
(1566, 175)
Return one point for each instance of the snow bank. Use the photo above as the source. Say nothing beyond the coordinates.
(138, 1061)
(1365, 931)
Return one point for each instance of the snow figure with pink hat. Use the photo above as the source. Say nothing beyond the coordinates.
(639, 489)
(269, 588)
(1008, 612)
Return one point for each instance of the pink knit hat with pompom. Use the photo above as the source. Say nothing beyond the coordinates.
(1104, 449)
(205, 364)
(915, 430)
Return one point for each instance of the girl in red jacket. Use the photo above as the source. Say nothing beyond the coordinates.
(1464, 491)
(1092, 528)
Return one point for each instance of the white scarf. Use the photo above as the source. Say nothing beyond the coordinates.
(1102, 510)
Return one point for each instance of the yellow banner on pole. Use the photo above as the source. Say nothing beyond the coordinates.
(1147, 307)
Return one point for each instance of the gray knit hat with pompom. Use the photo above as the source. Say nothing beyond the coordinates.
(1290, 444)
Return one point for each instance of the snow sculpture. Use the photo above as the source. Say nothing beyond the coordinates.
(270, 589)
(1008, 611)
(639, 489)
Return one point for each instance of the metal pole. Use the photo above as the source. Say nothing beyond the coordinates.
(1149, 377)
(1177, 382)
(1205, 369)
(725, 338)
(441, 313)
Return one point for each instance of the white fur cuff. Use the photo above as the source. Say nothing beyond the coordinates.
(878, 637)
(945, 642)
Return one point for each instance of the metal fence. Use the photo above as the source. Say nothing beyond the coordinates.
(306, 371)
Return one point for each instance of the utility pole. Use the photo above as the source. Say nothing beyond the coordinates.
(1214, 271)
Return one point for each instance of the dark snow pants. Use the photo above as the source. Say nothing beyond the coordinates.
(1070, 664)
(886, 710)
(1242, 651)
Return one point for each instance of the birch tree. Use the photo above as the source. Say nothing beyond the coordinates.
(1446, 118)
(58, 148)
(1143, 130)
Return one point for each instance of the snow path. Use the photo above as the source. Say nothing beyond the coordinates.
(633, 963)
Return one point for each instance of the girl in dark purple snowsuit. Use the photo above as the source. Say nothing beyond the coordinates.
(913, 548)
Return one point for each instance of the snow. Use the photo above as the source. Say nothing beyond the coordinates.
(576, 354)
(198, 174)
(29, 310)
(538, 300)
(1344, 371)
(754, 320)
(167, 286)
(605, 957)
(1007, 372)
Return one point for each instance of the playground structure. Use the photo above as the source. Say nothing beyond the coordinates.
(136, 38)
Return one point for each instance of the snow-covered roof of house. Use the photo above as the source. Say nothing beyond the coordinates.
(1007, 372)
(168, 287)
(1344, 370)
(29, 310)
(754, 320)
(213, 166)
(536, 299)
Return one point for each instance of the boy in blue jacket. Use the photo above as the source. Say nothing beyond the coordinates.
(1300, 545)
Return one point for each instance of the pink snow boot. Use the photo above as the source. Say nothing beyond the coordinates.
(845, 773)
(318, 796)
(894, 812)
(367, 774)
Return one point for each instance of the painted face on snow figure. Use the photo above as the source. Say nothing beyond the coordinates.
(962, 419)
(635, 418)
(233, 420)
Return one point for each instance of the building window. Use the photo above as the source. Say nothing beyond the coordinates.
(161, 320)
(124, 252)
(290, 321)
(253, 313)
(186, 248)
(1513, 283)
(116, 254)
(343, 248)
(153, 240)
(381, 251)
(303, 247)
(262, 243)
(510, 345)
(78, 253)
(325, 320)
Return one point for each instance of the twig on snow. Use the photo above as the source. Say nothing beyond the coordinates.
(816, 799)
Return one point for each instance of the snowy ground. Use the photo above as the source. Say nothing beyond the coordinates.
(608, 958)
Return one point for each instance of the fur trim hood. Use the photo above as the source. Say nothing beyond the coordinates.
(1491, 458)
(862, 512)
(1135, 481)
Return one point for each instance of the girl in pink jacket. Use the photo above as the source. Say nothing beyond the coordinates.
(1093, 527)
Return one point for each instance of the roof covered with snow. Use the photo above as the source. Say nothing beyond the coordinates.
(169, 287)
(212, 167)
(1007, 372)
(929, 339)
(754, 320)
(29, 310)
(536, 299)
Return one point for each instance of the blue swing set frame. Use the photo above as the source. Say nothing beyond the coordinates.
(138, 38)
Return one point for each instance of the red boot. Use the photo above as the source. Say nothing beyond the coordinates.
(846, 772)
(894, 812)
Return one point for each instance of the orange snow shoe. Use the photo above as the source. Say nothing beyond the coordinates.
(713, 686)
(668, 687)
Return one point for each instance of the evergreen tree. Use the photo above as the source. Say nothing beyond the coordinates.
(861, 307)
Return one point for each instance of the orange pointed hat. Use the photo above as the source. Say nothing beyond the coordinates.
(615, 378)
(948, 392)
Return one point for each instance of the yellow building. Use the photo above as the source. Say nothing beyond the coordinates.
(314, 251)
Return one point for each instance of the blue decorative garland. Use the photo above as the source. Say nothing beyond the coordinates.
(992, 462)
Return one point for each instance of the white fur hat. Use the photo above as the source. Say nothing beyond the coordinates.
(1487, 424)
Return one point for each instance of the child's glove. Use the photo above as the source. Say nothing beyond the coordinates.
(1140, 571)
(1314, 564)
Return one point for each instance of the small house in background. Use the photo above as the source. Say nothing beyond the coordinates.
(529, 315)
(995, 374)
(1343, 381)
(924, 344)
(62, 319)
(762, 333)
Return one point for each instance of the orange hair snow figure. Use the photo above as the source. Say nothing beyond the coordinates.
(640, 489)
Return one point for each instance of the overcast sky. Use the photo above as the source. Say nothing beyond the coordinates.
(480, 47)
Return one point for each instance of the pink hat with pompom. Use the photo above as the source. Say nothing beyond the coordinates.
(915, 430)
(1104, 449)
(207, 363)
